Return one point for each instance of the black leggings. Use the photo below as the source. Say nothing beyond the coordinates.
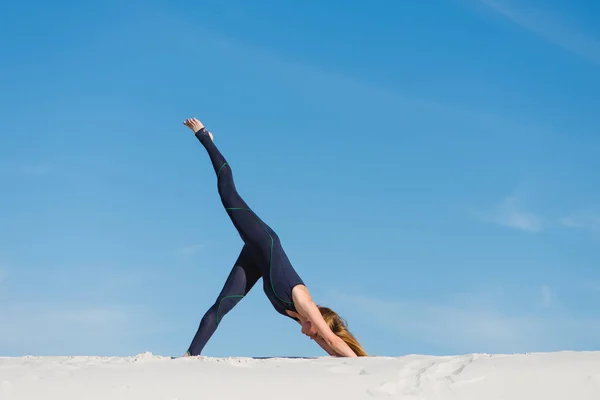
(261, 256)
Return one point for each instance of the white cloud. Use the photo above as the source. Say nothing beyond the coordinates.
(510, 213)
(190, 249)
(548, 26)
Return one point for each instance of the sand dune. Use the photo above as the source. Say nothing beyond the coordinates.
(543, 376)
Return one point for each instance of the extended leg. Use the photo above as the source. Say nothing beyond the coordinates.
(241, 279)
(251, 228)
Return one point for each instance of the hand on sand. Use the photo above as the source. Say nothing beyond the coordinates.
(195, 126)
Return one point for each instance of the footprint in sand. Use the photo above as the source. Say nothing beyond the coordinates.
(406, 381)
(451, 373)
(421, 377)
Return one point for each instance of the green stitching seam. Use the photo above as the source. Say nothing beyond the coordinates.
(270, 255)
(226, 297)
(219, 172)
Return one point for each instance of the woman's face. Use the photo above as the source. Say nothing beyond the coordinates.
(309, 329)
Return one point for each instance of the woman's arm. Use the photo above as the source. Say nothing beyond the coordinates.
(317, 338)
(307, 308)
(321, 342)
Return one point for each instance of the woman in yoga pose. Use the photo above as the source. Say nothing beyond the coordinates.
(262, 256)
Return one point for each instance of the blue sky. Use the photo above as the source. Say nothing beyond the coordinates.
(431, 168)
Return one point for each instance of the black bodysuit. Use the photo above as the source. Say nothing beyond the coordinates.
(262, 255)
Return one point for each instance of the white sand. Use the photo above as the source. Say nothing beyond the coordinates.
(544, 376)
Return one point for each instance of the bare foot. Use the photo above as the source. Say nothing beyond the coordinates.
(195, 126)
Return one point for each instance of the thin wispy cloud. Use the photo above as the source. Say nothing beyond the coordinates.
(594, 286)
(190, 250)
(511, 213)
(571, 222)
(35, 169)
(459, 328)
(548, 26)
(547, 297)
(586, 221)
(79, 310)
(335, 85)
(463, 328)
(68, 328)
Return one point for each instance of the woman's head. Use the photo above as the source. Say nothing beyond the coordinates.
(340, 328)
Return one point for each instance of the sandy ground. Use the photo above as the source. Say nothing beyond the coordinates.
(543, 376)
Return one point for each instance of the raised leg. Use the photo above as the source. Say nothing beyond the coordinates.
(253, 231)
(241, 279)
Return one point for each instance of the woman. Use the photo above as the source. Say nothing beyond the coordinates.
(263, 257)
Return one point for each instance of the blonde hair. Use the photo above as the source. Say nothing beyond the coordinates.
(340, 328)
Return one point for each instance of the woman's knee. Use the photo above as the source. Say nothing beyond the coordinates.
(226, 304)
